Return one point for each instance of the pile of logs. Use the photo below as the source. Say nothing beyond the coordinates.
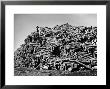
(63, 47)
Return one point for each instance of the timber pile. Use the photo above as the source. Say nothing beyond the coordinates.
(62, 48)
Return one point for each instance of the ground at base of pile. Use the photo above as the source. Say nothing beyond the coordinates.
(23, 72)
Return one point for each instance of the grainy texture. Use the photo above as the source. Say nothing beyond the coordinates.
(63, 50)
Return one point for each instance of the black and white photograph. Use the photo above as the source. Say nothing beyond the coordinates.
(55, 44)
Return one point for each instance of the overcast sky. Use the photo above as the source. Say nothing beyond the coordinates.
(24, 24)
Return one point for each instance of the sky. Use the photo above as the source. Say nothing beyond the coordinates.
(24, 24)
